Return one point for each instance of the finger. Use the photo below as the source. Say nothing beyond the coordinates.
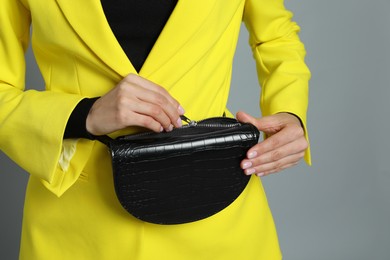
(134, 96)
(159, 107)
(277, 154)
(144, 121)
(129, 102)
(145, 83)
(126, 114)
(275, 166)
(155, 94)
(154, 111)
(268, 124)
(285, 136)
(276, 171)
(246, 118)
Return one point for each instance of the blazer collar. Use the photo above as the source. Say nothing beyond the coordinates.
(89, 22)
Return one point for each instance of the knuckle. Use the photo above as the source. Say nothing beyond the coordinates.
(122, 87)
(162, 90)
(277, 166)
(274, 142)
(306, 144)
(160, 100)
(131, 77)
(159, 89)
(121, 102)
(146, 122)
(121, 118)
(303, 144)
(297, 130)
(156, 111)
(276, 155)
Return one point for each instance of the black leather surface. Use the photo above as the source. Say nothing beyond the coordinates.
(186, 175)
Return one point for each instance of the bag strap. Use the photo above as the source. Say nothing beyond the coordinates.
(105, 139)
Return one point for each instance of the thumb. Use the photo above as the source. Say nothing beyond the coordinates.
(267, 124)
(246, 118)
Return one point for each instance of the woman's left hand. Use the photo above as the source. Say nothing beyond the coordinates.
(284, 147)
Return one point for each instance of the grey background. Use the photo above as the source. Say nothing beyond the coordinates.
(339, 208)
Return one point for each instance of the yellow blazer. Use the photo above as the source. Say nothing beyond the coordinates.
(79, 57)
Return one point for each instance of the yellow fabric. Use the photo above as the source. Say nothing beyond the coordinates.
(71, 211)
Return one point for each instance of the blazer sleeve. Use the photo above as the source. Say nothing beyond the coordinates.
(279, 54)
(32, 123)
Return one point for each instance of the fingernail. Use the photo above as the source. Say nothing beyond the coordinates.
(252, 155)
(249, 171)
(261, 174)
(170, 128)
(180, 109)
(161, 129)
(179, 122)
(246, 165)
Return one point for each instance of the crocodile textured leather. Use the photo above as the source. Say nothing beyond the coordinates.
(185, 175)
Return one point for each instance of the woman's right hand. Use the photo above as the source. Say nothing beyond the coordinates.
(135, 101)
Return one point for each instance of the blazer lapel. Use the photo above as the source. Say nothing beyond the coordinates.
(89, 22)
(185, 21)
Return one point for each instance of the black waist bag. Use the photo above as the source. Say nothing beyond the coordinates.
(184, 175)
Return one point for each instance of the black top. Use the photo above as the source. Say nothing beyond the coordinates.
(136, 25)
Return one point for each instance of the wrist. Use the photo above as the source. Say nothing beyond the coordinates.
(294, 118)
(77, 123)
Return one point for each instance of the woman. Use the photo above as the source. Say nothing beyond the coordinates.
(107, 71)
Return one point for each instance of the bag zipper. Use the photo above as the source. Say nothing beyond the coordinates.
(192, 123)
